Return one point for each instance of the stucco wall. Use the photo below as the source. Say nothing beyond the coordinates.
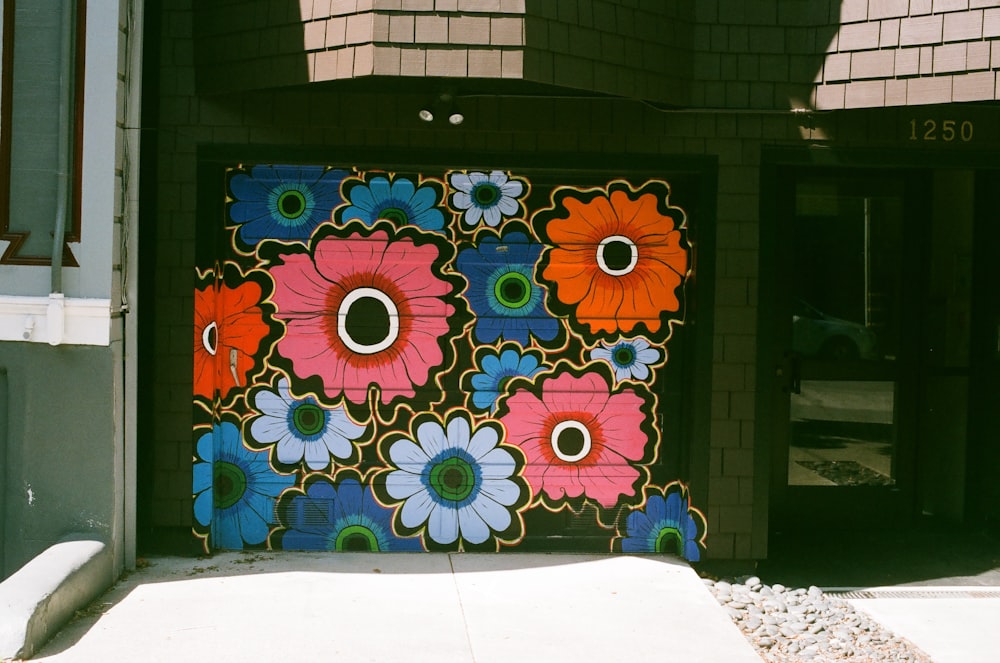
(61, 455)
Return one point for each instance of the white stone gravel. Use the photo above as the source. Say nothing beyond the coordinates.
(798, 624)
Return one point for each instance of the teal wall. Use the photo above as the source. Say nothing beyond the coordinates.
(60, 450)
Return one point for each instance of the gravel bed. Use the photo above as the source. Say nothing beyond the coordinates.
(795, 624)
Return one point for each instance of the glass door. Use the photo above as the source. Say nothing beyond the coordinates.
(845, 328)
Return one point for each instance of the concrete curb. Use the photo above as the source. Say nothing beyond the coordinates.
(42, 595)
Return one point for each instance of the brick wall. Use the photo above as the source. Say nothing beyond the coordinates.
(760, 55)
(911, 52)
(749, 62)
(344, 120)
(636, 49)
(254, 44)
(631, 48)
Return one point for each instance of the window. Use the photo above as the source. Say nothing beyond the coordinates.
(40, 142)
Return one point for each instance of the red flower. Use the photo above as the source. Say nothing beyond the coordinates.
(228, 329)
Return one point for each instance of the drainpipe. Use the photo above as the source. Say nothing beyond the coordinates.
(56, 315)
(3, 472)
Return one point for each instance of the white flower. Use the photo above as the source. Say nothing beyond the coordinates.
(455, 481)
(487, 197)
(630, 359)
(302, 428)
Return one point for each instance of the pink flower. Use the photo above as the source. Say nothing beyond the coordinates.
(578, 439)
(363, 311)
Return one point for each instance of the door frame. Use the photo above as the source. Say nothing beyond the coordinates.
(855, 503)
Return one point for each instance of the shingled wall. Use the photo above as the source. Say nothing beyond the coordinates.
(911, 52)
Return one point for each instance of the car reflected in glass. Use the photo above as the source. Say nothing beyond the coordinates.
(816, 334)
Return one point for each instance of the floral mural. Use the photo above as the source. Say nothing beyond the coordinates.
(459, 360)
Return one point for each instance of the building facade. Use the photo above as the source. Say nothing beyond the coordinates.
(825, 348)
(68, 178)
(531, 275)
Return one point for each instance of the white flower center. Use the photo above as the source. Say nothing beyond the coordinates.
(367, 321)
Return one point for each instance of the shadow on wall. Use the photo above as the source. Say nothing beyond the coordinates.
(247, 45)
(809, 29)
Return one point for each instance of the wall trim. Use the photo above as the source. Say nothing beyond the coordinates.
(87, 321)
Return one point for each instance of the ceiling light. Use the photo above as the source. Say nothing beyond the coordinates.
(443, 105)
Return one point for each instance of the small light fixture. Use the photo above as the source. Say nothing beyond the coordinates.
(442, 106)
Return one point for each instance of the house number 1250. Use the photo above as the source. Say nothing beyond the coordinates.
(946, 130)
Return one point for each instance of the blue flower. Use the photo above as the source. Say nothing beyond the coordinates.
(630, 359)
(302, 429)
(234, 488)
(666, 525)
(502, 290)
(454, 479)
(284, 202)
(497, 369)
(400, 202)
(487, 197)
(343, 518)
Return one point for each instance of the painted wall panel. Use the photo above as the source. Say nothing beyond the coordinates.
(473, 360)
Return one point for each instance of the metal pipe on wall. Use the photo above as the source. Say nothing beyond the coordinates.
(3, 472)
(56, 310)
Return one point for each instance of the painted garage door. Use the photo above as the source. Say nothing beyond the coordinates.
(453, 360)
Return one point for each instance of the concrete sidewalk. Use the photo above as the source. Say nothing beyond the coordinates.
(951, 624)
(405, 607)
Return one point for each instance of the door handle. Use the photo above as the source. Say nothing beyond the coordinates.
(234, 356)
(791, 370)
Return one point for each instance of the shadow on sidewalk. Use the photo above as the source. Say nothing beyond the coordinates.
(932, 554)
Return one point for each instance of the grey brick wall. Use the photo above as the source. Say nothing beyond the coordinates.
(353, 121)
(747, 65)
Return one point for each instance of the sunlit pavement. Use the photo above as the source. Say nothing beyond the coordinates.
(950, 624)
(405, 607)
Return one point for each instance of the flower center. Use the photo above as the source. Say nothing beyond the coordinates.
(308, 419)
(453, 479)
(228, 483)
(486, 195)
(291, 204)
(395, 214)
(617, 255)
(210, 338)
(570, 441)
(624, 355)
(669, 540)
(367, 321)
(513, 290)
(356, 538)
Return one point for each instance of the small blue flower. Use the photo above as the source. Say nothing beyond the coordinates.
(302, 429)
(497, 369)
(284, 202)
(502, 290)
(400, 202)
(630, 359)
(342, 518)
(666, 525)
(234, 488)
(453, 479)
(486, 197)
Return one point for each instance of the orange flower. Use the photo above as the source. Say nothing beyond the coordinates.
(228, 325)
(617, 257)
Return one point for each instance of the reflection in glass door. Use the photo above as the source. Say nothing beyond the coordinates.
(844, 287)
